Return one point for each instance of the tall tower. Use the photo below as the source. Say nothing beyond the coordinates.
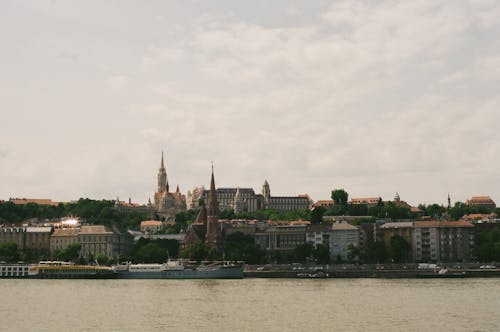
(162, 177)
(212, 236)
(266, 193)
(239, 203)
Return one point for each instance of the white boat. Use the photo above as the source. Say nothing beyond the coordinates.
(179, 270)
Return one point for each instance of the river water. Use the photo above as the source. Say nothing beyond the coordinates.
(250, 305)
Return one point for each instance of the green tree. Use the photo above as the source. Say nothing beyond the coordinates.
(198, 251)
(379, 252)
(400, 249)
(102, 259)
(303, 252)
(340, 197)
(317, 215)
(321, 254)
(70, 253)
(241, 247)
(9, 252)
(354, 253)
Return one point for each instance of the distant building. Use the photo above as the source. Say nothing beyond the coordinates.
(39, 201)
(391, 229)
(328, 203)
(127, 207)
(281, 236)
(152, 226)
(482, 202)
(319, 234)
(343, 236)
(13, 235)
(246, 200)
(443, 241)
(284, 203)
(98, 239)
(370, 201)
(37, 239)
(194, 196)
(166, 203)
(63, 237)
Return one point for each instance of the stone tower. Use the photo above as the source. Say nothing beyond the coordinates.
(162, 177)
(266, 194)
(213, 236)
(239, 203)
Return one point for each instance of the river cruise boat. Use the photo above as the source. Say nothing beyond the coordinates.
(180, 270)
(19, 270)
(66, 270)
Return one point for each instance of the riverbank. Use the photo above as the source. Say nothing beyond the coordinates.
(333, 271)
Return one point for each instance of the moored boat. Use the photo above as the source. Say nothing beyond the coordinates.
(65, 270)
(180, 270)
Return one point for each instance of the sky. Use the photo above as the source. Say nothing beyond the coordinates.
(375, 97)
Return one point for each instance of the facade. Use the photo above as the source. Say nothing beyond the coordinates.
(166, 203)
(227, 198)
(367, 237)
(403, 229)
(327, 203)
(194, 196)
(99, 239)
(481, 202)
(318, 234)
(343, 235)
(126, 207)
(39, 201)
(13, 235)
(443, 241)
(284, 236)
(37, 239)
(152, 226)
(63, 237)
(370, 201)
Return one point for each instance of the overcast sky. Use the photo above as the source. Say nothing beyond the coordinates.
(375, 97)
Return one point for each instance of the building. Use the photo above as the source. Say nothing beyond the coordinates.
(402, 229)
(237, 199)
(443, 241)
(482, 202)
(342, 237)
(37, 239)
(367, 237)
(152, 226)
(127, 207)
(63, 237)
(194, 196)
(327, 203)
(39, 201)
(206, 227)
(284, 203)
(99, 240)
(281, 237)
(166, 203)
(13, 235)
(370, 201)
(319, 234)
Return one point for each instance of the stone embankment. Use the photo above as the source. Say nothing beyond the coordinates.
(369, 271)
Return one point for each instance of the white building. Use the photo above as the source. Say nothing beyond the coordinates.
(343, 235)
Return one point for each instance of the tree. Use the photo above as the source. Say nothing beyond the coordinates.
(400, 249)
(321, 254)
(340, 197)
(9, 252)
(198, 251)
(102, 259)
(70, 253)
(354, 253)
(379, 252)
(303, 252)
(241, 247)
(317, 215)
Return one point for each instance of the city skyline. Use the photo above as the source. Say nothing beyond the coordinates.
(372, 98)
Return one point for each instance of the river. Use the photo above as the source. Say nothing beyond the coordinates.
(250, 305)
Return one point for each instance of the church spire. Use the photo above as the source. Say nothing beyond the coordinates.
(162, 177)
(212, 204)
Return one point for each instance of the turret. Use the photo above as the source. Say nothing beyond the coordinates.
(162, 177)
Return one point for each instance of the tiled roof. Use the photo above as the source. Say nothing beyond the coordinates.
(151, 223)
(95, 229)
(39, 201)
(403, 224)
(65, 231)
(435, 223)
(343, 226)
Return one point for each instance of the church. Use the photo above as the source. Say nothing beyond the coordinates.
(166, 203)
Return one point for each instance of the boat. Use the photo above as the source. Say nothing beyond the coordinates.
(317, 274)
(442, 273)
(19, 270)
(180, 270)
(67, 270)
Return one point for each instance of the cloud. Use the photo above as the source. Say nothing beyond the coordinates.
(117, 82)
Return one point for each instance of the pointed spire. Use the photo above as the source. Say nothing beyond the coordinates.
(177, 190)
(162, 166)
(212, 205)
